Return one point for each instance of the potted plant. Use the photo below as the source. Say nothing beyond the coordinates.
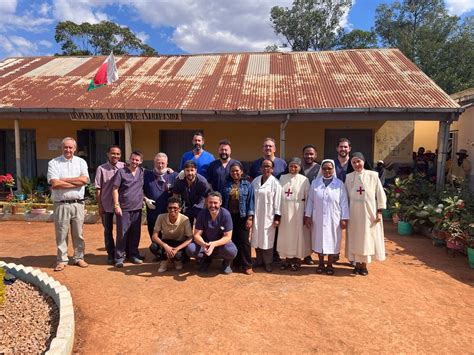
(470, 245)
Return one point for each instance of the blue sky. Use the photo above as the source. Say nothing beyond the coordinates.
(171, 27)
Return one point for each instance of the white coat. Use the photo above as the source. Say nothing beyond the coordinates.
(326, 206)
(267, 199)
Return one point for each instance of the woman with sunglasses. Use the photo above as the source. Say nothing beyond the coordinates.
(326, 214)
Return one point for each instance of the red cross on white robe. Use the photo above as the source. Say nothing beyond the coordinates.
(288, 193)
(360, 190)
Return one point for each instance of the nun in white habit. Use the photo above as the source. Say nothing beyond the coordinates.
(326, 214)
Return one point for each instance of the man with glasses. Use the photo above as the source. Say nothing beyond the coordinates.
(171, 235)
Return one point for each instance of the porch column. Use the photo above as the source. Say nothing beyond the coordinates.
(443, 137)
(18, 155)
(283, 137)
(128, 140)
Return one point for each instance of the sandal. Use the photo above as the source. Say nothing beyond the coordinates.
(320, 269)
(330, 270)
(60, 267)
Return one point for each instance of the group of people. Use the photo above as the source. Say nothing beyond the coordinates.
(211, 209)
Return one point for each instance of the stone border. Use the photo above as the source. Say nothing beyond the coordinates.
(64, 340)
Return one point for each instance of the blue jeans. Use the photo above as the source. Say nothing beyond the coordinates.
(227, 252)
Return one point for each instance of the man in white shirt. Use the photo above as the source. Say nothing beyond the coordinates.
(67, 175)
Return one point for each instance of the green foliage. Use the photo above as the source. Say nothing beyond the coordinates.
(90, 194)
(3, 289)
(357, 39)
(310, 24)
(438, 43)
(98, 39)
(26, 185)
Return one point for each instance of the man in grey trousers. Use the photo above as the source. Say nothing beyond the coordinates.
(68, 175)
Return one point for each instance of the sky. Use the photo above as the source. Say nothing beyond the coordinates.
(169, 26)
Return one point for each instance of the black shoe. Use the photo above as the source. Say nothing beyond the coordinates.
(355, 271)
(119, 264)
(204, 265)
(363, 271)
(308, 260)
(110, 261)
(136, 261)
(268, 268)
(141, 257)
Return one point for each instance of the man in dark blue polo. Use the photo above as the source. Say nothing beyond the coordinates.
(157, 187)
(269, 149)
(219, 169)
(192, 190)
(213, 235)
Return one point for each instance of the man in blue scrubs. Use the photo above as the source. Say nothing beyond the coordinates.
(218, 170)
(198, 155)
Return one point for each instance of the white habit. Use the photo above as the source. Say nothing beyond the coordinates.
(326, 206)
(267, 205)
(294, 239)
(365, 239)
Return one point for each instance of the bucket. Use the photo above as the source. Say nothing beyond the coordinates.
(470, 256)
(386, 214)
(404, 228)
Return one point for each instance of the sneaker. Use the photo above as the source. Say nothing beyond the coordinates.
(363, 271)
(178, 264)
(136, 260)
(227, 270)
(119, 264)
(163, 266)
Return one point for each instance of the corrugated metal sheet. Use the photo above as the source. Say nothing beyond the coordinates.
(352, 79)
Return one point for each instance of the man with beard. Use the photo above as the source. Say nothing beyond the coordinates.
(343, 167)
(198, 155)
(127, 194)
(269, 149)
(103, 191)
(157, 187)
(219, 169)
(213, 235)
(310, 167)
(192, 190)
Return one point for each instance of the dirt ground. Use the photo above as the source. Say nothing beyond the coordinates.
(419, 300)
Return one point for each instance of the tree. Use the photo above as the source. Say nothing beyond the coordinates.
(357, 39)
(425, 32)
(98, 39)
(310, 24)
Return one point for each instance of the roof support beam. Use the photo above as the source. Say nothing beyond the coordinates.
(283, 136)
(128, 139)
(18, 155)
(443, 137)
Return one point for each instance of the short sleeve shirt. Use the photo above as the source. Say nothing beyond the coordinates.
(103, 181)
(130, 189)
(59, 168)
(214, 229)
(179, 231)
(278, 169)
(194, 195)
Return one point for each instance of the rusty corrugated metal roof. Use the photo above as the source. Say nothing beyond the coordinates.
(352, 79)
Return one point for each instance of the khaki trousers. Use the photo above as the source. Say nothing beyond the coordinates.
(69, 216)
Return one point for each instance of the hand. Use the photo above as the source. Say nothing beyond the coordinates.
(343, 223)
(101, 211)
(378, 218)
(248, 224)
(150, 203)
(308, 222)
(181, 175)
(118, 211)
(169, 251)
(209, 248)
(276, 224)
(170, 171)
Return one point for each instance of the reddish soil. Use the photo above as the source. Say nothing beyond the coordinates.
(419, 300)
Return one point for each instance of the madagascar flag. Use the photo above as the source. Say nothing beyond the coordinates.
(106, 74)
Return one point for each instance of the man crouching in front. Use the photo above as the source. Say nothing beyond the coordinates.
(213, 235)
(172, 233)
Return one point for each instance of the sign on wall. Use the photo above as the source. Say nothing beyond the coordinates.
(125, 116)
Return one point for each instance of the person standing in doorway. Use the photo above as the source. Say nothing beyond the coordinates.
(343, 167)
(103, 191)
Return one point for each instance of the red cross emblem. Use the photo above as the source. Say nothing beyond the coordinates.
(360, 190)
(288, 193)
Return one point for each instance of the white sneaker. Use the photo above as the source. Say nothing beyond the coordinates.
(178, 265)
(163, 266)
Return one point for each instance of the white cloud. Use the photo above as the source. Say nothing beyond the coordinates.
(44, 9)
(213, 25)
(80, 11)
(45, 43)
(142, 36)
(459, 7)
(8, 6)
(16, 46)
(28, 20)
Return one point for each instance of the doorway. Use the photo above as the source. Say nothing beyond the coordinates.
(362, 140)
